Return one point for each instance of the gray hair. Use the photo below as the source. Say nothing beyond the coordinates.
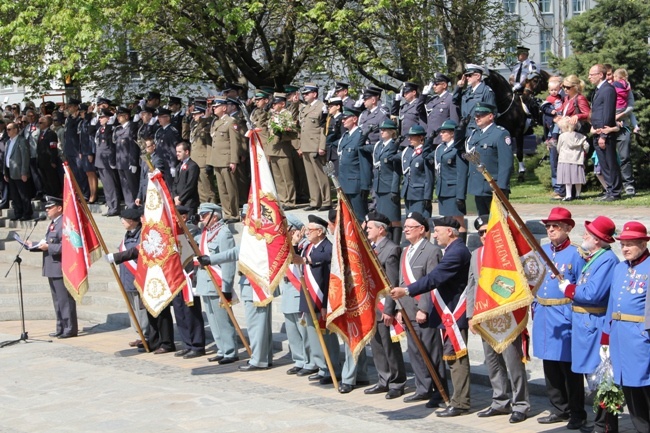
(380, 225)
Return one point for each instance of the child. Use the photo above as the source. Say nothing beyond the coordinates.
(571, 148)
(551, 107)
(622, 88)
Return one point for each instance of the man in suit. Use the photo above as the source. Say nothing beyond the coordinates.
(49, 163)
(448, 281)
(31, 133)
(127, 155)
(186, 181)
(494, 146)
(387, 354)
(418, 259)
(407, 108)
(467, 98)
(509, 363)
(16, 172)
(312, 118)
(65, 306)
(603, 115)
(438, 108)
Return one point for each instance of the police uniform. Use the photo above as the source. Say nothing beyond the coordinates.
(127, 159)
(146, 130)
(522, 69)
(418, 177)
(438, 108)
(201, 143)
(385, 179)
(334, 130)
(449, 164)
(467, 98)
(370, 120)
(409, 114)
(105, 163)
(354, 169)
(167, 137)
(86, 134)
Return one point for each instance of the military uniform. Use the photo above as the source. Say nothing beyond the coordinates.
(312, 141)
(301, 185)
(369, 122)
(227, 144)
(417, 183)
(72, 150)
(167, 138)
(201, 143)
(409, 114)
(146, 130)
(449, 163)
(385, 179)
(127, 158)
(280, 152)
(467, 99)
(334, 130)
(355, 171)
(105, 163)
(437, 109)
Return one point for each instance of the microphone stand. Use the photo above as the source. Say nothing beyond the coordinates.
(18, 260)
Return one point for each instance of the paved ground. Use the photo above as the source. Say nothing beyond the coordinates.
(96, 383)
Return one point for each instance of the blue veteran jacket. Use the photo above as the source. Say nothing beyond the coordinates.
(417, 168)
(355, 173)
(466, 99)
(450, 278)
(552, 323)
(449, 164)
(592, 293)
(321, 259)
(385, 178)
(222, 242)
(629, 342)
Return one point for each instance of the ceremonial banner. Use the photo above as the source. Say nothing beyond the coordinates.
(265, 251)
(80, 245)
(356, 281)
(503, 293)
(160, 274)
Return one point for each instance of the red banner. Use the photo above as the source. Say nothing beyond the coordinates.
(356, 281)
(80, 246)
(265, 251)
(160, 274)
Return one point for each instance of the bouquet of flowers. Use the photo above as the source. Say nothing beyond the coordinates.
(279, 123)
(609, 397)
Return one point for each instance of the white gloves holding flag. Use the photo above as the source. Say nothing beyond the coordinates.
(427, 89)
(109, 258)
(133, 168)
(563, 284)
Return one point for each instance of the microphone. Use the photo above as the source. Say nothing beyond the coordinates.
(39, 218)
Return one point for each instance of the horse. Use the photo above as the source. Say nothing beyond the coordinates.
(510, 106)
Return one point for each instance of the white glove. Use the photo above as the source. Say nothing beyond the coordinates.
(427, 88)
(325, 109)
(359, 101)
(563, 285)
(173, 171)
(398, 97)
(516, 87)
(142, 103)
(136, 118)
(604, 352)
(113, 167)
(329, 94)
(133, 168)
(109, 258)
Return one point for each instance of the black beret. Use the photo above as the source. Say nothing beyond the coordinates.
(315, 219)
(445, 221)
(481, 220)
(131, 214)
(417, 216)
(376, 216)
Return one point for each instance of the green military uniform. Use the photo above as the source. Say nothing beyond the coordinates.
(227, 145)
(279, 153)
(201, 142)
(312, 140)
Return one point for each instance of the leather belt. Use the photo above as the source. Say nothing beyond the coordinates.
(589, 310)
(627, 317)
(549, 302)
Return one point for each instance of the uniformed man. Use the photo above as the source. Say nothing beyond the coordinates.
(342, 90)
(156, 161)
(438, 107)
(148, 126)
(175, 106)
(493, 145)
(334, 130)
(417, 169)
(522, 69)
(590, 296)
(406, 108)
(243, 172)
(153, 99)
(188, 117)
(72, 148)
(201, 142)
(227, 144)
(625, 332)
(167, 137)
(260, 115)
(86, 133)
(232, 90)
(386, 177)
(279, 151)
(551, 312)
(127, 155)
(293, 104)
(105, 162)
(467, 98)
(65, 306)
(373, 115)
(312, 117)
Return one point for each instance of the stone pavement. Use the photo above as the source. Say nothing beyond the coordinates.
(96, 383)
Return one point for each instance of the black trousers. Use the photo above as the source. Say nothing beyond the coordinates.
(162, 330)
(638, 404)
(189, 322)
(609, 167)
(565, 389)
(388, 359)
(65, 308)
(19, 196)
(432, 342)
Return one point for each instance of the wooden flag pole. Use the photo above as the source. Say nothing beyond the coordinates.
(475, 158)
(197, 252)
(89, 214)
(329, 170)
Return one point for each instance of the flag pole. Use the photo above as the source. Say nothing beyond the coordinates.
(197, 252)
(89, 214)
(329, 170)
(475, 158)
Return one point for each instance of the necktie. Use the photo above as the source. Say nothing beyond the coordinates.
(521, 66)
(409, 253)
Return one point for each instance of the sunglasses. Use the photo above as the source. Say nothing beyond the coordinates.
(551, 225)
(567, 87)
(482, 232)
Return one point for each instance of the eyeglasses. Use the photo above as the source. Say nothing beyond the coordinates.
(412, 227)
(482, 232)
(552, 225)
(595, 73)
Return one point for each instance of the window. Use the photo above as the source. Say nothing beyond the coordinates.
(545, 6)
(511, 51)
(439, 50)
(510, 6)
(545, 38)
(578, 6)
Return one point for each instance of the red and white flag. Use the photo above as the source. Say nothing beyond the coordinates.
(160, 274)
(80, 245)
(356, 281)
(265, 251)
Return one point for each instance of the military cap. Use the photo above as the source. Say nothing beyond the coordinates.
(131, 214)
(83, 107)
(183, 210)
(199, 109)
(290, 88)
(208, 207)
(379, 217)
(74, 101)
(219, 100)
(341, 85)
(102, 100)
(123, 110)
(267, 89)
(309, 87)
(149, 110)
(349, 112)
(417, 130)
(471, 68)
(260, 94)
(315, 219)
(294, 222)
(522, 49)
(439, 77)
(164, 111)
(232, 86)
(482, 107)
(279, 97)
(52, 201)
(200, 100)
(408, 86)
(335, 100)
(388, 124)
(232, 101)
(448, 125)
(175, 100)
(331, 215)
(481, 220)
(445, 221)
(369, 92)
(153, 95)
(105, 112)
(419, 218)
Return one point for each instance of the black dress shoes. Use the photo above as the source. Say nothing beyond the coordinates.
(326, 381)
(182, 352)
(315, 377)
(490, 411)
(415, 397)
(306, 372)
(194, 354)
(394, 393)
(377, 389)
(251, 367)
(162, 350)
(293, 370)
(576, 423)
(552, 418)
(452, 411)
(66, 336)
(435, 402)
(216, 358)
(311, 208)
(54, 334)
(344, 388)
(324, 208)
(517, 417)
(228, 360)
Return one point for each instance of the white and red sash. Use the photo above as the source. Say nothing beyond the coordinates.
(396, 328)
(206, 237)
(293, 275)
(407, 272)
(130, 265)
(311, 283)
(450, 321)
